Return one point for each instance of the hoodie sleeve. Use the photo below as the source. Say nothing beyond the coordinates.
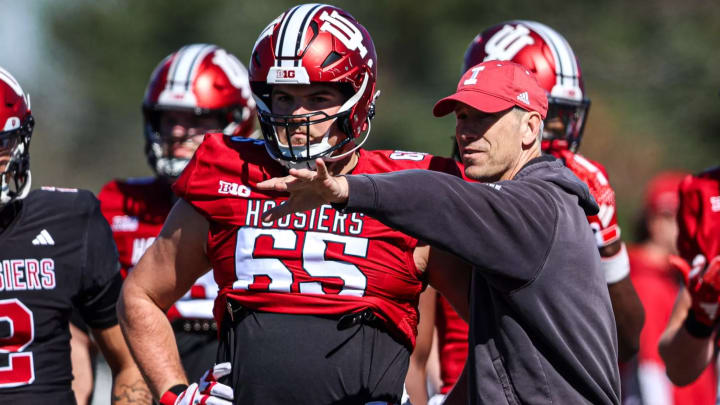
(504, 229)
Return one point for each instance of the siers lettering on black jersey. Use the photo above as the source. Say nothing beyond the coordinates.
(27, 274)
(56, 253)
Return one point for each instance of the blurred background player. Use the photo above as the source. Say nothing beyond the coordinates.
(689, 343)
(657, 283)
(200, 88)
(57, 253)
(318, 307)
(548, 55)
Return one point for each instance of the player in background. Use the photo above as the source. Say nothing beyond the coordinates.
(318, 307)
(689, 343)
(548, 55)
(199, 88)
(657, 283)
(56, 253)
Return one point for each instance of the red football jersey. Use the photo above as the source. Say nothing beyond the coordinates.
(699, 216)
(604, 224)
(136, 210)
(318, 262)
(452, 343)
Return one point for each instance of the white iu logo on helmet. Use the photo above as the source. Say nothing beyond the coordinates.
(343, 30)
(235, 71)
(507, 42)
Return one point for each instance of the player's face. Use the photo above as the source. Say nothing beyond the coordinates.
(306, 99)
(7, 144)
(489, 144)
(183, 131)
(554, 128)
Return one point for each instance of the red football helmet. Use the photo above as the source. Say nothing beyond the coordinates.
(314, 43)
(202, 79)
(16, 126)
(547, 54)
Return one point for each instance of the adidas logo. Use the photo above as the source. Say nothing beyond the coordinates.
(524, 97)
(43, 239)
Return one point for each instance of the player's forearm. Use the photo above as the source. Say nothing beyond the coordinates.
(151, 339)
(685, 356)
(416, 384)
(629, 317)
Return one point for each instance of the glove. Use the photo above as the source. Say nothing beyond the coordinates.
(207, 391)
(703, 282)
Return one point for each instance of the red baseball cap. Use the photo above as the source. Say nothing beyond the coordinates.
(495, 86)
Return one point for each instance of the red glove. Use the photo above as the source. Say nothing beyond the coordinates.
(703, 283)
(208, 391)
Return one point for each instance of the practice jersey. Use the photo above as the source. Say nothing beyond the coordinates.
(699, 216)
(604, 224)
(136, 210)
(57, 254)
(452, 343)
(320, 262)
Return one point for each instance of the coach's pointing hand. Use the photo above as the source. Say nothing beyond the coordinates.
(308, 189)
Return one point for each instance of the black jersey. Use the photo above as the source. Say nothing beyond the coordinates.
(56, 254)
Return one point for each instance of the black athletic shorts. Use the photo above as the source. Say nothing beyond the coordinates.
(305, 359)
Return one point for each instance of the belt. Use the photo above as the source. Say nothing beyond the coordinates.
(366, 317)
(201, 326)
(237, 312)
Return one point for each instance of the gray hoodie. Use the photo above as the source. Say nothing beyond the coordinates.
(542, 329)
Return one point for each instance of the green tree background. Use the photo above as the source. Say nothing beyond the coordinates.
(651, 70)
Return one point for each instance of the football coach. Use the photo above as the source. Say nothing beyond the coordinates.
(541, 325)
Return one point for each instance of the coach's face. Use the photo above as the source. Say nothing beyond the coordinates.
(490, 144)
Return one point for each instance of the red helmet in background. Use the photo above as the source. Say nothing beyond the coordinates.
(309, 44)
(16, 127)
(204, 80)
(547, 54)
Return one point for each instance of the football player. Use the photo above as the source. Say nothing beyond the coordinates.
(689, 342)
(199, 88)
(56, 253)
(318, 307)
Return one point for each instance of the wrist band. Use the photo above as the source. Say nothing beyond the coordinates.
(616, 267)
(696, 328)
(169, 397)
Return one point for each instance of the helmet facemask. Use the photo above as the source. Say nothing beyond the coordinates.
(569, 117)
(160, 145)
(303, 156)
(15, 179)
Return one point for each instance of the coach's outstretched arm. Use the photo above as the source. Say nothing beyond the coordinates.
(165, 272)
(510, 227)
